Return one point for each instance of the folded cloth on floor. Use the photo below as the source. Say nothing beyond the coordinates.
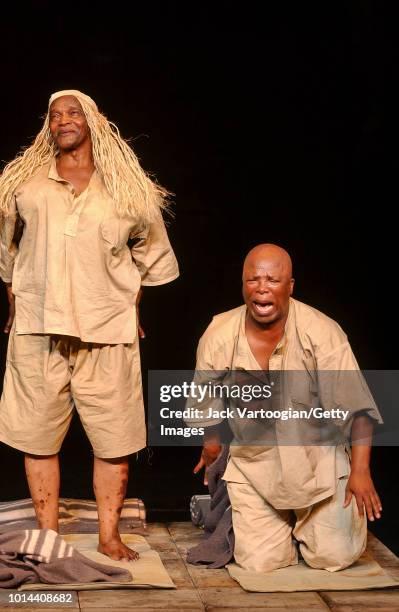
(148, 571)
(41, 555)
(366, 573)
(216, 550)
(75, 515)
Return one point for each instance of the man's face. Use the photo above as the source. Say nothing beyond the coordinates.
(267, 286)
(68, 125)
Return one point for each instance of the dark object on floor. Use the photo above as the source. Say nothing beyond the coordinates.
(200, 506)
(216, 549)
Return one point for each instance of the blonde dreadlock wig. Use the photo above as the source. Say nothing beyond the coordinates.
(132, 190)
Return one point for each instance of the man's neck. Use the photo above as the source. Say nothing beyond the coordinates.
(79, 158)
(270, 333)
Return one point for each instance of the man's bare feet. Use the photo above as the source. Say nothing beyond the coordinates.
(116, 549)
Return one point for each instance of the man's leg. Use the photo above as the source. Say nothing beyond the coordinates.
(43, 476)
(331, 537)
(35, 412)
(263, 535)
(110, 478)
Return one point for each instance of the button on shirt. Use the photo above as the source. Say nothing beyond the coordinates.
(73, 272)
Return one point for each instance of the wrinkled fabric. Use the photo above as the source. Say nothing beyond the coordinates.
(73, 272)
(216, 550)
(330, 537)
(41, 555)
(46, 376)
(286, 476)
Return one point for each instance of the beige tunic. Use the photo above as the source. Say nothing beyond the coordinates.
(286, 476)
(73, 273)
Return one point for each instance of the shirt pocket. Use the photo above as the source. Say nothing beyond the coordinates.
(115, 233)
(122, 272)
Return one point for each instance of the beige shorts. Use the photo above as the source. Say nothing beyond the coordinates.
(47, 376)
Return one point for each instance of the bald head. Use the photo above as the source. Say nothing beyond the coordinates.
(267, 283)
(270, 253)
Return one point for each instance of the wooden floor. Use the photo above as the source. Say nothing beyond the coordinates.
(213, 590)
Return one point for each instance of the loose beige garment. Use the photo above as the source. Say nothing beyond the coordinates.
(72, 272)
(287, 476)
(329, 536)
(48, 376)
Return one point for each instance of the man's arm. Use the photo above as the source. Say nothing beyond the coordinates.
(11, 308)
(204, 371)
(360, 483)
(9, 226)
(140, 330)
(154, 259)
(153, 254)
(342, 383)
(210, 450)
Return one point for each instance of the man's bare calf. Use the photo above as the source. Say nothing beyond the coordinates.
(110, 479)
(43, 476)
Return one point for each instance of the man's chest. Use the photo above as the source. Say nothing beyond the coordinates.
(262, 350)
(78, 178)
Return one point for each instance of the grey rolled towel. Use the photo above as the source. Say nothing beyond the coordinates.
(199, 509)
(75, 516)
(41, 555)
(217, 547)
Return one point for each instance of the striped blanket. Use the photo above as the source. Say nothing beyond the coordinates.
(76, 516)
(41, 555)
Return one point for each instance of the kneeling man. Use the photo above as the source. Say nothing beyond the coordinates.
(318, 495)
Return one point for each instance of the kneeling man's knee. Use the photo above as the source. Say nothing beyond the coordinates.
(334, 553)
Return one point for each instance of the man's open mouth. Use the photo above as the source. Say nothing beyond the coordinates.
(263, 308)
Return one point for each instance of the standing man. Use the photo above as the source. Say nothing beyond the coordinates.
(81, 231)
(293, 487)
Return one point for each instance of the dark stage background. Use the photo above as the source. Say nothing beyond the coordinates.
(268, 125)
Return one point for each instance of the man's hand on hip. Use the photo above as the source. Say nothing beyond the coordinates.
(11, 309)
(140, 330)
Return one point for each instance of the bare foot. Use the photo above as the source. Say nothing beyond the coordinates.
(117, 550)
